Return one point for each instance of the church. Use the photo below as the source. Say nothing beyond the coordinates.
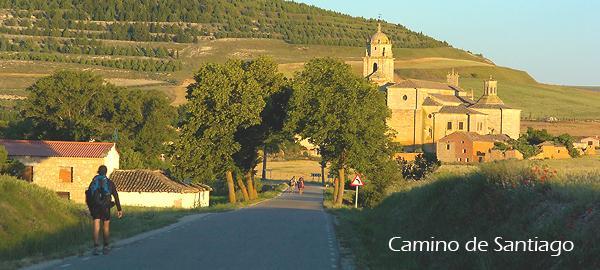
(423, 112)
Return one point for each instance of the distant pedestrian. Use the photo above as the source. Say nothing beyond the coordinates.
(301, 185)
(292, 184)
(98, 199)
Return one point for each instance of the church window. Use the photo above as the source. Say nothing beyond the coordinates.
(429, 116)
(383, 51)
(449, 126)
(448, 146)
(461, 125)
(464, 151)
(375, 67)
(405, 97)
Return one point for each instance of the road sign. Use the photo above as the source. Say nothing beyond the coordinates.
(356, 182)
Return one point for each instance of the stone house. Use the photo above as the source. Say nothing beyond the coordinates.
(423, 112)
(593, 141)
(152, 188)
(550, 150)
(64, 167)
(471, 147)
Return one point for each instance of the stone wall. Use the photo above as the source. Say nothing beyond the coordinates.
(46, 173)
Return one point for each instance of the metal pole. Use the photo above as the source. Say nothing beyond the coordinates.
(356, 198)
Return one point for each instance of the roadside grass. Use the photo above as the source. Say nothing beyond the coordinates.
(451, 206)
(37, 225)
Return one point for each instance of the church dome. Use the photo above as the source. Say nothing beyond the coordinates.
(380, 37)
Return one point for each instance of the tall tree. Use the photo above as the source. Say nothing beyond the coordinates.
(80, 106)
(223, 100)
(342, 113)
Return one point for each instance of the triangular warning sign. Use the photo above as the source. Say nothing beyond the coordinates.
(357, 182)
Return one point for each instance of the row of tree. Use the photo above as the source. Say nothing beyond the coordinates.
(82, 46)
(293, 22)
(238, 107)
(528, 141)
(147, 65)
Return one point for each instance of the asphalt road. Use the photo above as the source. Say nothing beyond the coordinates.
(288, 232)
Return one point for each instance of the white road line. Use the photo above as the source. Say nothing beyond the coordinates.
(85, 258)
(65, 265)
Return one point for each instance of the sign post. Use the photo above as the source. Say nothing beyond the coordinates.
(357, 182)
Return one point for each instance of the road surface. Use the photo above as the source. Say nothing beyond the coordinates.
(288, 232)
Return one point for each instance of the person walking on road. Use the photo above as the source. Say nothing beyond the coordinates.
(292, 184)
(301, 185)
(98, 199)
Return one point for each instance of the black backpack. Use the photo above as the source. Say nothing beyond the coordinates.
(98, 195)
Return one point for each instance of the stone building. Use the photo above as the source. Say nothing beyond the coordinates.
(65, 167)
(424, 111)
(472, 147)
(151, 188)
(551, 150)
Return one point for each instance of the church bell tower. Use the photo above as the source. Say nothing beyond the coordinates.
(378, 63)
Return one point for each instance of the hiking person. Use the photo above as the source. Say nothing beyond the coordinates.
(98, 199)
(301, 185)
(292, 184)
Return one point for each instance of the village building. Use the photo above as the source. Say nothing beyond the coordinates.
(64, 167)
(551, 150)
(152, 188)
(423, 112)
(593, 141)
(472, 147)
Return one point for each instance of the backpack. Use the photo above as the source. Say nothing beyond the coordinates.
(98, 194)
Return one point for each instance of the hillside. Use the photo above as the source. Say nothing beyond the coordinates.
(497, 200)
(141, 48)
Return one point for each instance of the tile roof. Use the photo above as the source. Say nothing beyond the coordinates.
(412, 83)
(473, 136)
(57, 148)
(431, 102)
(460, 109)
(151, 181)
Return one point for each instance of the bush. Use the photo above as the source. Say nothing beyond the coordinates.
(423, 165)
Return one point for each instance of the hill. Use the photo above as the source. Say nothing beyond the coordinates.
(497, 200)
(160, 46)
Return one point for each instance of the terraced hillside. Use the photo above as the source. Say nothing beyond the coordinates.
(148, 45)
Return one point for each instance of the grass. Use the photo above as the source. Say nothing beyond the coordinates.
(37, 225)
(452, 206)
(574, 128)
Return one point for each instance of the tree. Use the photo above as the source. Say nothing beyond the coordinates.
(223, 100)
(79, 106)
(342, 113)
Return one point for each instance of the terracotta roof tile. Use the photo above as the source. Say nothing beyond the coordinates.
(151, 181)
(57, 148)
(431, 102)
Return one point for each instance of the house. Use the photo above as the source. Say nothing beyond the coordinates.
(496, 154)
(470, 147)
(593, 141)
(585, 148)
(65, 167)
(551, 150)
(152, 188)
(423, 112)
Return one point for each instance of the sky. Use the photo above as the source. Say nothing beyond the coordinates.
(556, 41)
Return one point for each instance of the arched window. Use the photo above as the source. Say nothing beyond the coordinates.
(375, 67)
(383, 51)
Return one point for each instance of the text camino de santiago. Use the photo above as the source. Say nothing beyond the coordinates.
(397, 244)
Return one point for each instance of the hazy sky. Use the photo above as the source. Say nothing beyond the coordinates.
(556, 41)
